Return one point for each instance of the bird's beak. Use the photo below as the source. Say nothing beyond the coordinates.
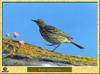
(34, 20)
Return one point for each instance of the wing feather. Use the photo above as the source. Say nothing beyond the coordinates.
(52, 29)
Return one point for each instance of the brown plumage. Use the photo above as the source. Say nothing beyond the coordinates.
(54, 35)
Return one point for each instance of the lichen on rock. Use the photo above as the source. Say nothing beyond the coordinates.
(15, 54)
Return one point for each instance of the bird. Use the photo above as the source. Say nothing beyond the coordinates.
(54, 35)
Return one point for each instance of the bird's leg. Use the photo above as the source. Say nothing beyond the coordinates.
(55, 47)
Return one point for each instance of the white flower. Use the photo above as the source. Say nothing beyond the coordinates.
(22, 42)
(7, 34)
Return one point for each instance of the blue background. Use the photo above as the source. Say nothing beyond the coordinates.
(79, 20)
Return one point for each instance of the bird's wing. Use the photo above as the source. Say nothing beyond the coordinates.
(56, 31)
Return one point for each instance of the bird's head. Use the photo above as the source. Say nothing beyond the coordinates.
(40, 22)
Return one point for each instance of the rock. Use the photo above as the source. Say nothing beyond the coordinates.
(32, 55)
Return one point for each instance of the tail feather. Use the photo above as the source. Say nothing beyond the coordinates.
(79, 46)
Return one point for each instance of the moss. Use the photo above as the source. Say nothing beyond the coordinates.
(35, 51)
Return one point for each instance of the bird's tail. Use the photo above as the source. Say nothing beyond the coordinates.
(79, 46)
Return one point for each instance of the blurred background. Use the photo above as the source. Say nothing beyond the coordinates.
(79, 20)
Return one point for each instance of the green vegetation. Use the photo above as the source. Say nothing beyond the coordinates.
(13, 47)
